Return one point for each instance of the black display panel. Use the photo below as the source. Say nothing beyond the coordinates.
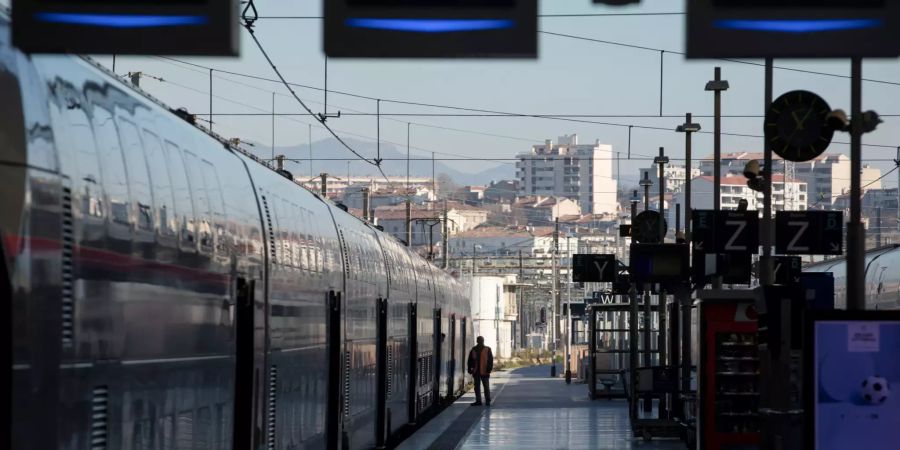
(792, 28)
(798, 3)
(436, 3)
(430, 28)
(127, 27)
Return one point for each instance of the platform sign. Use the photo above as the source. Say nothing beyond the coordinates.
(725, 231)
(170, 27)
(793, 28)
(737, 232)
(787, 270)
(625, 230)
(590, 268)
(703, 226)
(430, 28)
(809, 232)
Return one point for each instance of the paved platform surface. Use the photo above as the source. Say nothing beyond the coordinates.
(532, 411)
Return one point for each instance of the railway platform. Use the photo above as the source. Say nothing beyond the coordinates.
(532, 411)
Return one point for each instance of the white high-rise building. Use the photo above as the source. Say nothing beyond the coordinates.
(676, 176)
(578, 172)
(786, 195)
(827, 176)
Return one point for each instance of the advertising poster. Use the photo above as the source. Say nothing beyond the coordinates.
(857, 380)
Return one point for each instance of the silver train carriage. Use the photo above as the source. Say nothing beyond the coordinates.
(882, 266)
(171, 292)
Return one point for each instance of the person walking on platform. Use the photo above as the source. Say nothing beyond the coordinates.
(480, 365)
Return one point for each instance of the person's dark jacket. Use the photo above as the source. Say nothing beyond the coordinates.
(481, 361)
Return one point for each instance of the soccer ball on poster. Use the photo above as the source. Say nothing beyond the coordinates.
(875, 390)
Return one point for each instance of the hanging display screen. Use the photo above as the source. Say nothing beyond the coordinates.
(792, 28)
(138, 27)
(430, 28)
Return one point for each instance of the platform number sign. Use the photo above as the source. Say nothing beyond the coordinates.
(787, 269)
(737, 232)
(725, 231)
(809, 232)
(589, 268)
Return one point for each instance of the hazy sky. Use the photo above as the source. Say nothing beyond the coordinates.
(570, 77)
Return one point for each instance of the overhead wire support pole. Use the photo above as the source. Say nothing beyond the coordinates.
(211, 100)
(554, 302)
(568, 315)
(765, 263)
(273, 125)
(661, 65)
(856, 299)
(629, 141)
(378, 132)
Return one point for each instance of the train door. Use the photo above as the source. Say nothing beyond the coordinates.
(464, 352)
(246, 375)
(381, 362)
(333, 346)
(451, 369)
(438, 344)
(413, 362)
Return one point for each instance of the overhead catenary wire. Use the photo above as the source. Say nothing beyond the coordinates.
(248, 25)
(482, 110)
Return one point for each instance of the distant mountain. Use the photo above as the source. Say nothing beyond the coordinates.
(331, 157)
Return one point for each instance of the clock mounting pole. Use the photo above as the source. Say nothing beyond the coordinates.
(765, 266)
(856, 299)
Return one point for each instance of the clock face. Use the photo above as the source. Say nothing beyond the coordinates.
(796, 126)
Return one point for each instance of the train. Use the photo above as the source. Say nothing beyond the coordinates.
(882, 275)
(168, 290)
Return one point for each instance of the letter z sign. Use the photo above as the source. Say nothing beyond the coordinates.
(737, 232)
(809, 232)
(725, 231)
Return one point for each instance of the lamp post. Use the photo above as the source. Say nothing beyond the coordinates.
(716, 86)
(632, 319)
(568, 313)
(684, 297)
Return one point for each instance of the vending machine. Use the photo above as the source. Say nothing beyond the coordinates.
(728, 371)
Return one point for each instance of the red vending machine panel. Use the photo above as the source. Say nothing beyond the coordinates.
(728, 375)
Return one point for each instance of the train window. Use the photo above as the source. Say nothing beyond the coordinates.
(204, 437)
(275, 229)
(139, 179)
(183, 210)
(162, 185)
(165, 432)
(201, 203)
(88, 180)
(184, 431)
(216, 205)
(288, 221)
(315, 243)
(309, 244)
(114, 179)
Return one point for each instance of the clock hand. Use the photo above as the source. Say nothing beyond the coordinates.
(800, 122)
